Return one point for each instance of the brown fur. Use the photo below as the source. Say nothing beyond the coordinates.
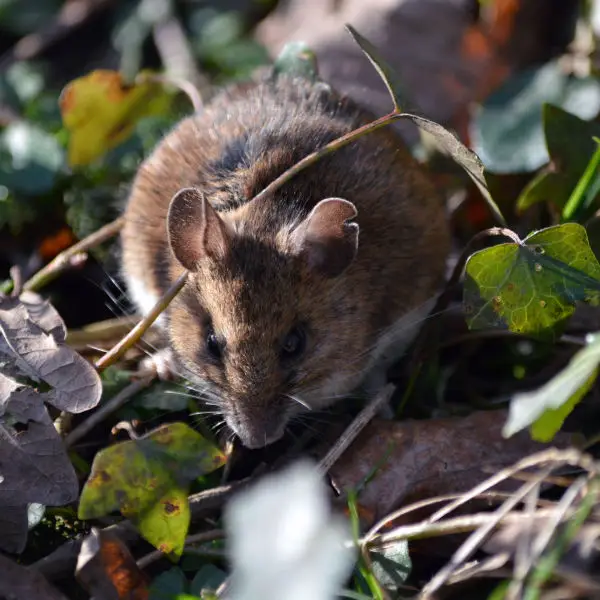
(252, 296)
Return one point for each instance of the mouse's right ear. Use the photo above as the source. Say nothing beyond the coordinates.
(326, 239)
(195, 229)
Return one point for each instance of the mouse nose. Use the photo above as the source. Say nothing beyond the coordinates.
(256, 431)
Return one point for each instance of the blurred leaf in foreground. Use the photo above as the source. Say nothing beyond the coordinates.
(100, 111)
(570, 144)
(545, 409)
(148, 480)
(30, 159)
(531, 287)
(507, 131)
(297, 59)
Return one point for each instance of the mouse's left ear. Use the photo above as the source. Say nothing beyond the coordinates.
(195, 229)
(326, 239)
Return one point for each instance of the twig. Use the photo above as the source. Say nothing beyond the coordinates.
(138, 331)
(188, 88)
(471, 544)
(101, 331)
(196, 538)
(545, 536)
(106, 409)
(329, 148)
(64, 260)
(214, 498)
(462, 524)
(178, 59)
(552, 455)
(356, 427)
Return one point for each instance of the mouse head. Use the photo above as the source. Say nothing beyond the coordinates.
(256, 323)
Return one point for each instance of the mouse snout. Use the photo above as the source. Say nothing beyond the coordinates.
(256, 428)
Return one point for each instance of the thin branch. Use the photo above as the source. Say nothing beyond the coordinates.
(336, 144)
(455, 525)
(196, 538)
(138, 331)
(64, 260)
(356, 427)
(106, 409)
(468, 547)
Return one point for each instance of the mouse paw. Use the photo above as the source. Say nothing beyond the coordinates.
(161, 363)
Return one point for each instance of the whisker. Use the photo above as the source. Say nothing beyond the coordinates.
(299, 401)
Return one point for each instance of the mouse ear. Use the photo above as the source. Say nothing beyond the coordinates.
(325, 239)
(195, 229)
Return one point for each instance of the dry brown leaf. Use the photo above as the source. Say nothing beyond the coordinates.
(422, 459)
(30, 348)
(34, 465)
(107, 570)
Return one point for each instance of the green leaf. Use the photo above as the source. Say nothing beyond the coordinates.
(507, 131)
(531, 287)
(297, 59)
(208, 577)
(466, 158)
(168, 585)
(570, 144)
(148, 481)
(392, 565)
(586, 190)
(545, 409)
(30, 159)
(386, 72)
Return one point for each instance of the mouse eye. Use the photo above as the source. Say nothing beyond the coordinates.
(293, 344)
(212, 345)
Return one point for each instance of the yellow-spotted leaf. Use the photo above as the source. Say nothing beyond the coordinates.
(531, 287)
(148, 480)
(101, 111)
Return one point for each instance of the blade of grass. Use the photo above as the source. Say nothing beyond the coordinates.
(586, 189)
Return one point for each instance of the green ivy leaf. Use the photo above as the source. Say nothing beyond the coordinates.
(570, 144)
(545, 409)
(507, 131)
(531, 287)
(148, 481)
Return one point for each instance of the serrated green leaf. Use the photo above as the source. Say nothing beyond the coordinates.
(532, 287)
(570, 144)
(545, 409)
(507, 130)
(148, 481)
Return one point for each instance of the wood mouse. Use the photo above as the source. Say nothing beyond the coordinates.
(296, 299)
